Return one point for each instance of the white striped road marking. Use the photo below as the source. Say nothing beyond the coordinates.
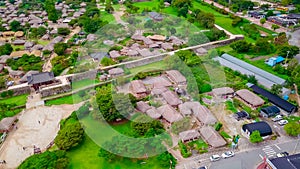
(269, 151)
(260, 156)
(277, 147)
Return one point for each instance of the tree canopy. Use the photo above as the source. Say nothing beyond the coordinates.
(255, 137)
(292, 128)
(51, 11)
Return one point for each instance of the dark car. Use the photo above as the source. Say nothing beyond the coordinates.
(204, 167)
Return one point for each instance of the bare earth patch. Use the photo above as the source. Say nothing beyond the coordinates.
(36, 127)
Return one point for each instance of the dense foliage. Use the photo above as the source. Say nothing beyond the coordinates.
(292, 128)
(53, 159)
(255, 137)
(26, 63)
(6, 49)
(146, 126)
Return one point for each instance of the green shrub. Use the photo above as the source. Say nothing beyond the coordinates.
(183, 150)
(218, 126)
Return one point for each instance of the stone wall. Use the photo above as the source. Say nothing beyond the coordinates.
(85, 75)
(18, 91)
(55, 90)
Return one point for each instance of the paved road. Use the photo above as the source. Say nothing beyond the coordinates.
(246, 159)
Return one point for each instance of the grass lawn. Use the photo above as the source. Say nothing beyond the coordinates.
(18, 100)
(86, 155)
(292, 118)
(17, 47)
(225, 135)
(230, 106)
(161, 65)
(72, 99)
(42, 42)
(107, 16)
(84, 83)
(261, 64)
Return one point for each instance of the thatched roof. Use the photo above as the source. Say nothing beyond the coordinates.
(116, 71)
(145, 52)
(201, 51)
(176, 76)
(169, 113)
(212, 137)
(157, 37)
(142, 106)
(137, 86)
(189, 135)
(158, 90)
(114, 54)
(153, 113)
(19, 53)
(250, 97)
(6, 123)
(36, 53)
(19, 34)
(201, 112)
(167, 46)
(137, 37)
(171, 98)
(222, 91)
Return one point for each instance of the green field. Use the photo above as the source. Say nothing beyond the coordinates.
(86, 155)
(72, 99)
(18, 100)
(161, 65)
(84, 83)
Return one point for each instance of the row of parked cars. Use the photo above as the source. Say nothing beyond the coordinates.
(279, 119)
(225, 155)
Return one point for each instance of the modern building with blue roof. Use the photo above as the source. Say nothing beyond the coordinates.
(274, 60)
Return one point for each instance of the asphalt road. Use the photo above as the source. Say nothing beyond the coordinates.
(246, 159)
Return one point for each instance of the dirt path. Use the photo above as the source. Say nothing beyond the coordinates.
(36, 127)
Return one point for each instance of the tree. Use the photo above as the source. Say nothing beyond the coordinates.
(108, 6)
(6, 49)
(143, 123)
(183, 11)
(15, 26)
(292, 128)
(276, 89)
(269, 13)
(285, 2)
(180, 3)
(255, 137)
(263, 46)
(63, 31)
(275, 26)
(287, 51)
(59, 48)
(107, 61)
(252, 79)
(262, 21)
(207, 20)
(69, 136)
(166, 159)
(107, 155)
(48, 159)
(241, 46)
(38, 32)
(51, 11)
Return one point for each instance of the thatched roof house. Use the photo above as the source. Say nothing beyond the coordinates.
(137, 37)
(115, 72)
(142, 106)
(189, 135)
(157, 91)
(114, 54)
(250, 98)
(18, 42)
(171, 98)
(153, 113)
(157, 37)
(169, 113)
(176, 77)
(6, 124)
(223, 91)
(138, 88)
(16, 54)
(212, 137)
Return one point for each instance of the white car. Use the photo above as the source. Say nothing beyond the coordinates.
(228, 154)
(277, 118)
(283, 122)
(215, 157)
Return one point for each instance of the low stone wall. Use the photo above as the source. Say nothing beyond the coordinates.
(55, 90)
(81, 76)
(18, 91)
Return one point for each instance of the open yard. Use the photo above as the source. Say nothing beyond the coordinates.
(161, 65)
(18, 100)
(72, 99)
(86, 155)
(84, 83)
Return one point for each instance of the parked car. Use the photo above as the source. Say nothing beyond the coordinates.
(215, 157)
(204, 167)
(228, 154)
(283, 122)
(282, 154)
(277, 118)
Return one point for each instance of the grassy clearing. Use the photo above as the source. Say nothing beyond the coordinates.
(107, 16)
(161, 65)
(72, 99)
(17, 47)
(225, 135)
(86, 155)
(43, 42)
(230, 106)
(292, 118)
(18, 100)
(84, 83)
